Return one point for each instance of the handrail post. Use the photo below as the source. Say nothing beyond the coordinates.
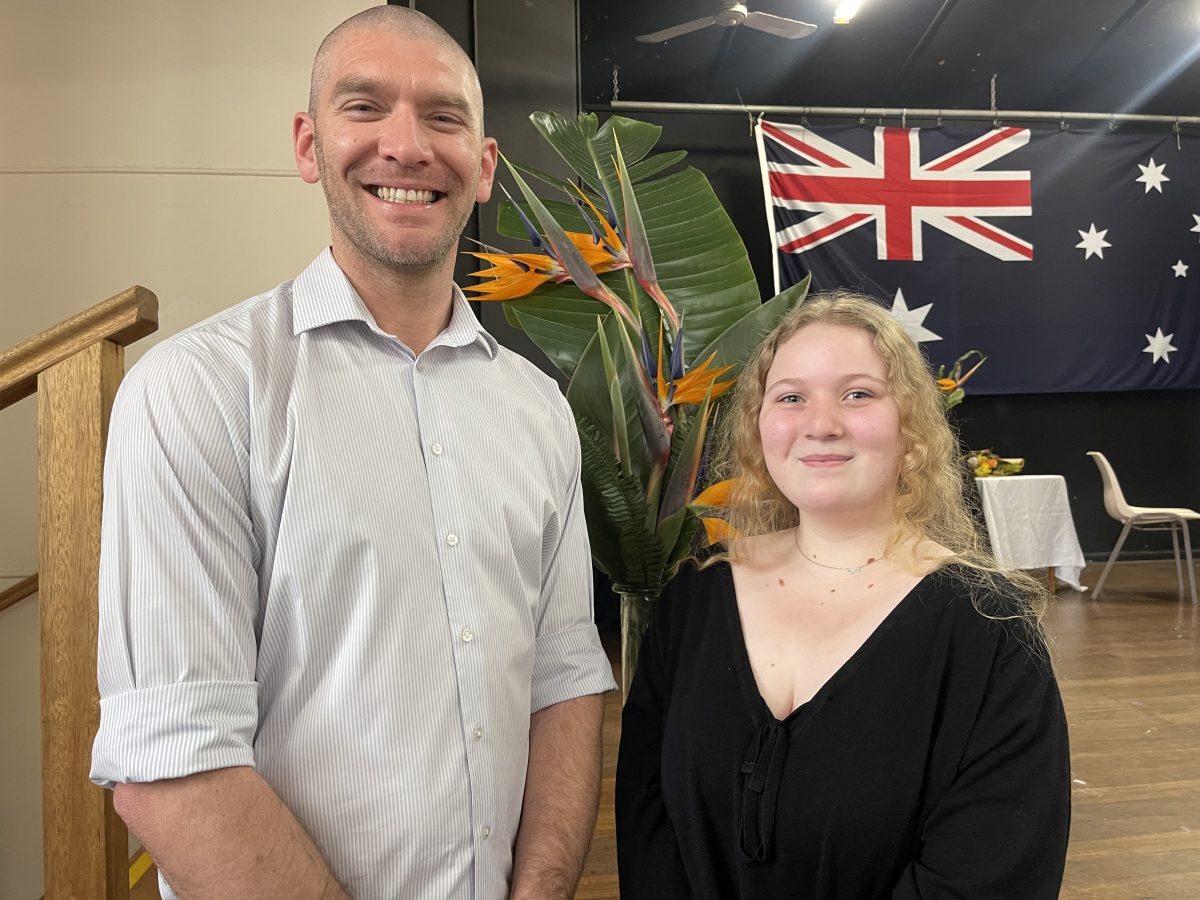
(86, 844)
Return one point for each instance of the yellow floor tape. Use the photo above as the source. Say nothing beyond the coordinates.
(140, 866)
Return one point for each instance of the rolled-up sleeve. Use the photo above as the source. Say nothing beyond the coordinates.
(178, 587)
(568, 660)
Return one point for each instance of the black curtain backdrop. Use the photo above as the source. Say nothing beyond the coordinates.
(1149, 436)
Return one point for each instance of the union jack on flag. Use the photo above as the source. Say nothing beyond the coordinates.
(896, 191)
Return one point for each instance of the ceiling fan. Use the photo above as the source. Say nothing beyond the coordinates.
(730, 15)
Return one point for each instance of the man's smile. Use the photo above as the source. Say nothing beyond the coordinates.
(402, 195)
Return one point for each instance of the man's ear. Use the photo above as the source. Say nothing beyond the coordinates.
(302, 143)
(487, 170)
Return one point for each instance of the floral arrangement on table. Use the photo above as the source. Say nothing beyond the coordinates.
(986, 464)
(639, 290)
(950, 382)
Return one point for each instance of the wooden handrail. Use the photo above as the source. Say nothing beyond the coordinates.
(19, 591)
(122, 319)
(75, 368)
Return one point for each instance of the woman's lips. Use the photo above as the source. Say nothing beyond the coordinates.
(824, 460)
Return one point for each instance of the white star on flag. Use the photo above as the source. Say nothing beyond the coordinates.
(1180, 269)
(1093, 242)
(1152, 176)
(1160, 345)
(1196, 227)
(911, 319)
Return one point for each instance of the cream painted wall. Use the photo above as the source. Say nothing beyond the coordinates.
(124, 126)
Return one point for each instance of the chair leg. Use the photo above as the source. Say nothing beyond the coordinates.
(1187, 545)
(1112, 558)
(1178, 563)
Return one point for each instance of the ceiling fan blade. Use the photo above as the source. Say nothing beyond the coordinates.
(779, 26)
(656, 37)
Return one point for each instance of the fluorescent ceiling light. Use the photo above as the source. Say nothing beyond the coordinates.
(846, 11)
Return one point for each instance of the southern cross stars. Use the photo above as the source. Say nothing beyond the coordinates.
(1160, 346)
(1195, 227)
(1180, 269)
(911, 319)
(1093, 242)
(1152, 176)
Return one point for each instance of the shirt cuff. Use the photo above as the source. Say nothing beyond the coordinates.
(569, 664)
(175, 730)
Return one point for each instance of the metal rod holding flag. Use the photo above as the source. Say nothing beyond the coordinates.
(908, 112)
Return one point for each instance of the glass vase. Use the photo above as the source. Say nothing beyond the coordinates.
(637, 607)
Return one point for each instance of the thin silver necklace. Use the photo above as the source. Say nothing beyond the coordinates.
(849, 570)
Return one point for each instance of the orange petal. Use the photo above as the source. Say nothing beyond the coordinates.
(610, 235)
(718, 530)
(509, 288)
(716, 494)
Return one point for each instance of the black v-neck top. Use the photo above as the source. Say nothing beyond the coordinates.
(933, 764)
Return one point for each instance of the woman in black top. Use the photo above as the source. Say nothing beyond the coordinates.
(854, 702)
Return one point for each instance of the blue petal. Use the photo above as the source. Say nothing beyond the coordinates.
(534, 237)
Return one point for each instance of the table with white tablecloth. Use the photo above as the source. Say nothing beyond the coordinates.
(1030, 526)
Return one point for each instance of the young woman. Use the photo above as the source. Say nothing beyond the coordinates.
(853, 701)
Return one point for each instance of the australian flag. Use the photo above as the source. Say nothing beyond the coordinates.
(1070, 258)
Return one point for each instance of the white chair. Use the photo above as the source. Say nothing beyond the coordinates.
(1144, 518)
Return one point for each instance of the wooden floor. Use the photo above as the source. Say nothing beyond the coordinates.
(1129, 669)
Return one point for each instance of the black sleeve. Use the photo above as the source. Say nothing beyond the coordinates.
(648, 859)
(1000, 831)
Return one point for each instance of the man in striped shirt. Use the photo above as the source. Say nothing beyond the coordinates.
(346, 642)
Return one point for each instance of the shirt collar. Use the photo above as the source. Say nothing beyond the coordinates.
(323, 295)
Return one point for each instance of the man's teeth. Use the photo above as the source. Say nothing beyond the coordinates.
(399, 195)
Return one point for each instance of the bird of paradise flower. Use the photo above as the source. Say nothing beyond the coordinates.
(663, 379)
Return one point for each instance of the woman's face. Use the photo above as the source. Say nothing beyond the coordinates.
(829, 427)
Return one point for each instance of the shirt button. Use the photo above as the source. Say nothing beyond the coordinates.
(452, 540)
(477, 733)
(420, 367)
(467, 635)
(486, 832)
(437, 449)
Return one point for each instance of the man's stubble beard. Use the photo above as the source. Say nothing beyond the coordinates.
(348, 220)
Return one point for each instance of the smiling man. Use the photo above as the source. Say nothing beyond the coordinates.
(346, 642)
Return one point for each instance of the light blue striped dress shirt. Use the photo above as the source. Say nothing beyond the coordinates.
(357, 570)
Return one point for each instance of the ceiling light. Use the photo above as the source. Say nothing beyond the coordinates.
(846, 10)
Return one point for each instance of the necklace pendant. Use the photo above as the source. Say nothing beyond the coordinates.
(854, 570)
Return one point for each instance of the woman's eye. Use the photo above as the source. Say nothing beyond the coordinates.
(858, 395)
(790, 398)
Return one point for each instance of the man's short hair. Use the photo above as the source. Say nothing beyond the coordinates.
(408, 22)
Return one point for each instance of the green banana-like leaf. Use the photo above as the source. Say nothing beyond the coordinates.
(540, 175)
(588, 150)
(652, 165)
(734, 344)
(554, 321)
(508, 223)
(667, 533)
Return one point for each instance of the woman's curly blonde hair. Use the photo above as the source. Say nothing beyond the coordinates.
(930, 498)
